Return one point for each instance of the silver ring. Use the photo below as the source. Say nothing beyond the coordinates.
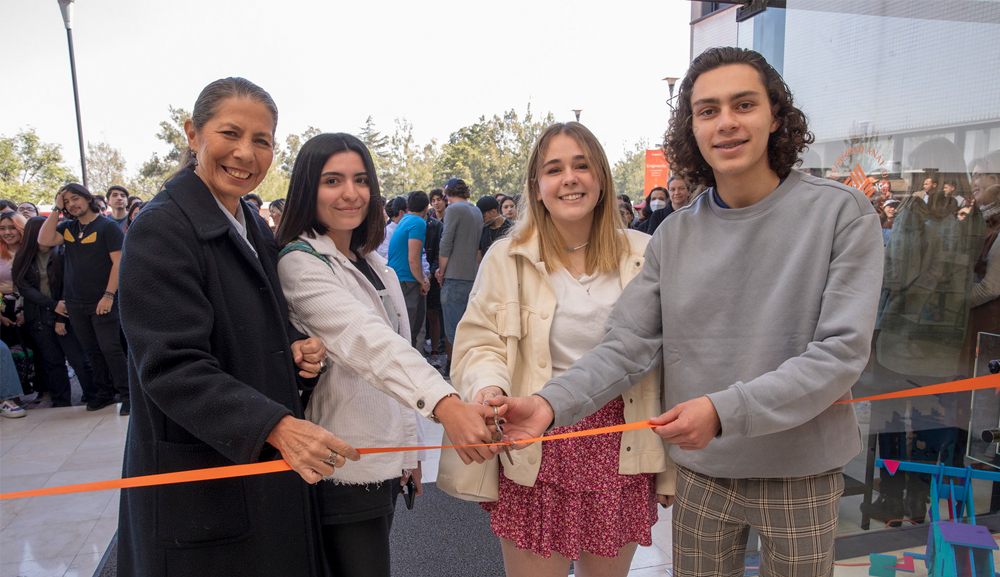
(322, 367)
(332, 459)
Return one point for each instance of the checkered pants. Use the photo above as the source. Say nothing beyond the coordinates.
(796, 519)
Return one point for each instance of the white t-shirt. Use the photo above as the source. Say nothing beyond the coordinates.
(582, 307)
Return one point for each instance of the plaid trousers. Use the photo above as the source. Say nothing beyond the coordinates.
(796, 519)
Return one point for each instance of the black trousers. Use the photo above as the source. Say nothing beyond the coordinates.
(356, 527)
(100, 336)
(54, 350)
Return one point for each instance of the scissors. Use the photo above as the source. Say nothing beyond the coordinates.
(499, 436)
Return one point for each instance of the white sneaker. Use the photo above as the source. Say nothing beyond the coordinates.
(10, 410)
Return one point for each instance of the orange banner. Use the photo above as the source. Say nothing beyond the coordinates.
(657, 171)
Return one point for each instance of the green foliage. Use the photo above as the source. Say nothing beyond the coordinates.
(492, 155)
(286, 158)
(275, 183)
(172, 133)
(377, 144)
(407, 165)
(105, 167)
(31, 170)
(630, 172)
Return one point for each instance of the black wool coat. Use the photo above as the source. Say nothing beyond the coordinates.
(210, 374)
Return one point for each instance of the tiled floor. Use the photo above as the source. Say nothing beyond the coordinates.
(67, 535)
(64, 535)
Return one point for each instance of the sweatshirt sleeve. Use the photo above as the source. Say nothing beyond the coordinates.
(629, 351)
(989, 288)
(806, 385)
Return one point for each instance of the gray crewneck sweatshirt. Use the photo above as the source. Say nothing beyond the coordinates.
(768, 310)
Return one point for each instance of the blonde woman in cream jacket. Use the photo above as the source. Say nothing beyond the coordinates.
(539, 302)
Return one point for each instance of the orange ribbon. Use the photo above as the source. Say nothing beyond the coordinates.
(273, 466)
(984, 382)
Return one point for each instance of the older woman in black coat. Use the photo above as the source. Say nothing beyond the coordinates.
(212, 366)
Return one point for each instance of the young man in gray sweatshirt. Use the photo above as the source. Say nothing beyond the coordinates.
(757, 302)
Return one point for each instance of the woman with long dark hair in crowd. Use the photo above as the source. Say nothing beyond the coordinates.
(341, 290)
(508, 208)
(212, 365)
(133, 211)
(38, 274)
(539, 303)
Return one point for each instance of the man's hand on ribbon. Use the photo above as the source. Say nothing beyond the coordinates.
(689, 425)
(526, 418)
(466, 424)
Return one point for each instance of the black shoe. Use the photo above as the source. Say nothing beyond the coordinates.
(126, 407)
(98, 403)
(886, 509)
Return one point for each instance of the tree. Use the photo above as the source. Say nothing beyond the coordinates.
(630, 172)
(377, 143)
(286, 158)
(154, 172)
(105, 167)
(491, 155)
(409, 165)
(31, 170)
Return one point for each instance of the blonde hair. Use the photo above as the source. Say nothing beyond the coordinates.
(608, 244)
(19, 222)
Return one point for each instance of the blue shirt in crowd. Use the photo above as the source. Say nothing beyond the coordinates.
(410, 227)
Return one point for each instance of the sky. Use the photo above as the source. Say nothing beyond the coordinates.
(439, 64)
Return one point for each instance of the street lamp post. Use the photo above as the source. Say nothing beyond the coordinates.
(671, 81)
(577, 112)
(66, 7)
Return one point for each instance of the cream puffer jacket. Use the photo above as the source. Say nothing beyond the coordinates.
(503, 341)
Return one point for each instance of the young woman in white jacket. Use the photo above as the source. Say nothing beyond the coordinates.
(539, 303)
(340, 290)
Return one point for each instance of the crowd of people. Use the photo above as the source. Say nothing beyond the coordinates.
(230, 339)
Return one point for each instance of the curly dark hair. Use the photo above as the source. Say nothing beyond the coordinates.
(784, 145)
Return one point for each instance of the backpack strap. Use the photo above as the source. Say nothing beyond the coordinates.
(303, 246)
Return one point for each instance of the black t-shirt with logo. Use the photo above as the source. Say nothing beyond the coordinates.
(88, 258)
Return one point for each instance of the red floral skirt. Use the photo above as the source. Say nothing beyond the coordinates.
(579, 501)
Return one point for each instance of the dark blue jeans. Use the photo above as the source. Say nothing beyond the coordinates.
(54, 350)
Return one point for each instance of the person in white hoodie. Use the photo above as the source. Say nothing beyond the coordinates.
(340, 290)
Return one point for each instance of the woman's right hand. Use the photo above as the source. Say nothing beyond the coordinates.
(61, 309)
(307, 448)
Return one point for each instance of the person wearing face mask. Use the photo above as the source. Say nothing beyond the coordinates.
(679, 193)
(656, 200)
(495, 225)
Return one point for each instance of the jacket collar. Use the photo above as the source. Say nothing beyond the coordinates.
(199, 206)
(195, 200)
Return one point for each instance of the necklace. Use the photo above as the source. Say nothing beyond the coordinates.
(83, 228)
(575, 248)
